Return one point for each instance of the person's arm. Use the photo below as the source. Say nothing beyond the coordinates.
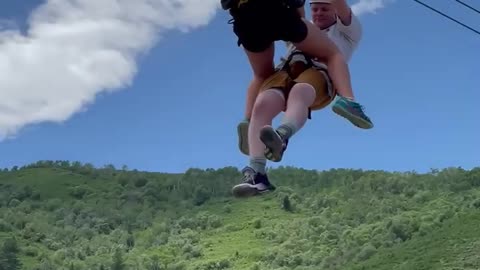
(344, 12)
(347, 22)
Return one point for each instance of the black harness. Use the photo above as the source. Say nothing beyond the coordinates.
(286, 65)
(287, 68)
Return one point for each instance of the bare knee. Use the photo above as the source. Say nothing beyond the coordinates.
(302, 92)
(261, 104)
(268, 103)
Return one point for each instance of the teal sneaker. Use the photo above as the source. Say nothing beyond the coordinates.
(242, 131)
(353, 112)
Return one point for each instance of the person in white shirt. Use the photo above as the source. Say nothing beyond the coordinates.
(300, 84)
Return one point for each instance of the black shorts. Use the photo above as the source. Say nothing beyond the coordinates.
(258, 23)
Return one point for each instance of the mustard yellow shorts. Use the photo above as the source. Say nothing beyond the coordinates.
(318, 79)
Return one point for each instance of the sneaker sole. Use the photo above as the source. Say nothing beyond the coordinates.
(358, 122)
(242, 131)
(242, 191)
(269, 137)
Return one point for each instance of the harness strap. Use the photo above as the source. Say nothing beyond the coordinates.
(286, 65)
(286, 68)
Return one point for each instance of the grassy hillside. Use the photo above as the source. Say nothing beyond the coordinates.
(62, 215)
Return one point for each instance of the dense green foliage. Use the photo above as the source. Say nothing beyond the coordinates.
(72, 216)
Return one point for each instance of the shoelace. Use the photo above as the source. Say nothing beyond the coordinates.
(249, 177)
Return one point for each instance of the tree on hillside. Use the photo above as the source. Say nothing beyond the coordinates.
(286, 204)
(118, 262)
(154, 263)
(130, 241)
(9, 255)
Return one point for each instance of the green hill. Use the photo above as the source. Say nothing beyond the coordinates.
(72, 216)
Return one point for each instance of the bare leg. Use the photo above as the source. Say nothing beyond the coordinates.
(262, 66)
(252, 93)
(255, 180)
(300, 99)
(268, 105)
(319, 45)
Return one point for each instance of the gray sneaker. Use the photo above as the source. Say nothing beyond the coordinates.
(253, 184)
(242, 130)
(274, 143)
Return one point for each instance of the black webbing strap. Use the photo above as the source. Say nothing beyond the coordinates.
(286, 68)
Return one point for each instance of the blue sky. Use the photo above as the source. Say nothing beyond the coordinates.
(415, 72)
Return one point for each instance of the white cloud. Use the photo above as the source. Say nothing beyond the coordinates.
(76, 49)
(369, 6)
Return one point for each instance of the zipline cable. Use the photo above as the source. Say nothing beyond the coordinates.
(448, 17)
(468, 6)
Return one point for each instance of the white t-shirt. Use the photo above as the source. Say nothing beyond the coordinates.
(345, 37)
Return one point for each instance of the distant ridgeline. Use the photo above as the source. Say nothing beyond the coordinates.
(69, 215)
